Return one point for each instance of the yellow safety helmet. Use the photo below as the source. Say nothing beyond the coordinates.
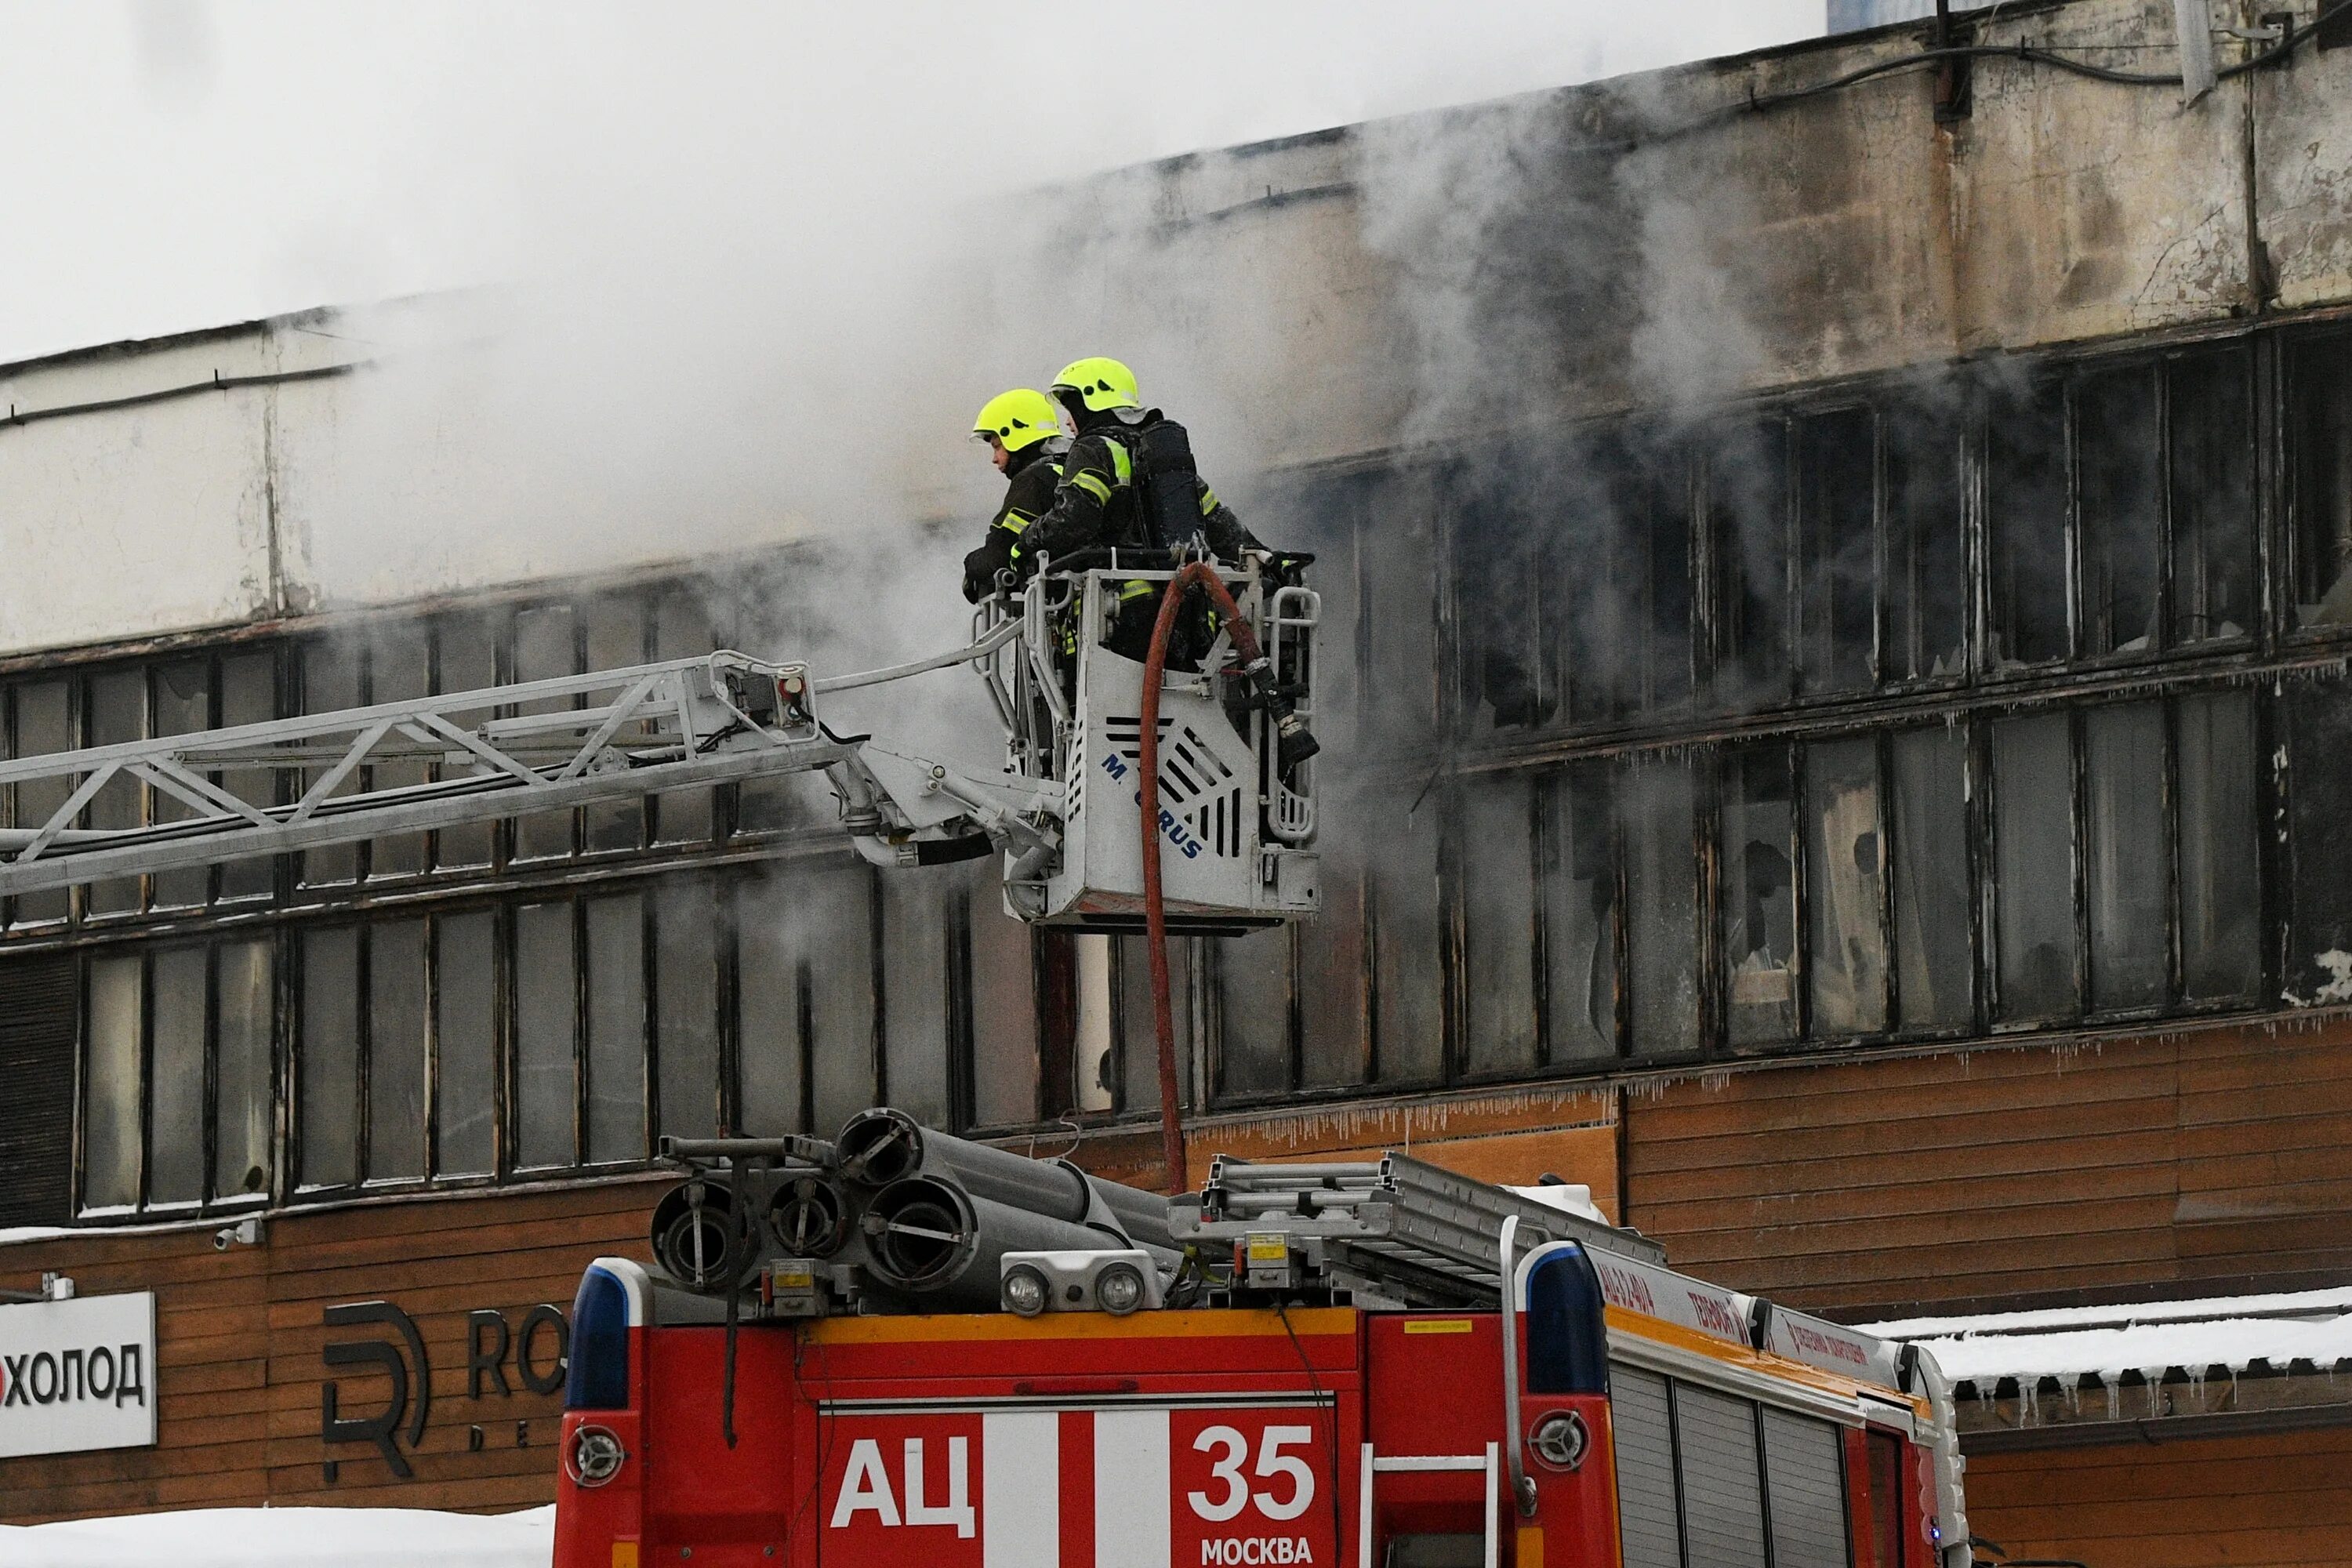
(1099, 383)
(1021, 417)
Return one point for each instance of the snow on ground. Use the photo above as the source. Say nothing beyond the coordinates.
(2147, 1338)
(287, 1538)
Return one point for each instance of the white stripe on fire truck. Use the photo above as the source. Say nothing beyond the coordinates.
(1021, 1490)
(1132, 1521)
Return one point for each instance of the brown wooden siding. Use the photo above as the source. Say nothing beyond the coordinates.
(2199, 1162)
(2275, 1500)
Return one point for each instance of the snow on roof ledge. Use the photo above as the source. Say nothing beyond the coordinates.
(2148, 1338)
(287, 1538)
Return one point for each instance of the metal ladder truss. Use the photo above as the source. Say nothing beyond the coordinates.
(1490, 1462)
(1409, 1230)
(221, 794)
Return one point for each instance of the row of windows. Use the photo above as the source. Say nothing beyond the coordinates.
(1923, 534)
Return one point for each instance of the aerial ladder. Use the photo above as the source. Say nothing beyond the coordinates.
(1237, 824)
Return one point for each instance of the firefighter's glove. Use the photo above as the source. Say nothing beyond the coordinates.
(979, 570)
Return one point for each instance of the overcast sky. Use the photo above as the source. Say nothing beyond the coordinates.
(180, 163)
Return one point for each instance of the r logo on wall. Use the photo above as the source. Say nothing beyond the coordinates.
(539, 1351)
(76, 1374)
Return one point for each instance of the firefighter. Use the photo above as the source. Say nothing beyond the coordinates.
(1107, 475)
(1024, 432)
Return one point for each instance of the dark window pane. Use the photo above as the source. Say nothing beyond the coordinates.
(837, 946)
(2033, 859)
(2220, 883)
(1498, 923)
(1845, 890)
(466, 1023)
(1653, 557)
(545, 647)
(1138, 1036)
(1408, 995)
(1334, 976)
(2212, 495)
(770, 1028)
(616, 1030)
(1661, 880)
(118, 712)
(1003, 1005)
(397, 1048)
(330, 681)
(1400, 576)
(616, 639)
(1930, 829)
(2124, 853)
(109, 1126)
(329, 1068)
(686, 989)
(2320, 429)
(1580, 918)
(2122, 505)
(682, 629)
(1759, 895)
(43, 725)
(397, 670)
(1094, 1064)
(808, 968)
(546, 1036)
(1928, 583)
(2025, 485)
(1748, 505)
(245, 974)
(916, 910)
(2319, 792)
(184, 703)
(1507, 682)
(248, 695)
(1252, 1012)
(465, 659)
(175, 1131)
(1837, 549)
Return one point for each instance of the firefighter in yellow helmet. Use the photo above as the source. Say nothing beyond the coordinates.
(1129, 483)
(1024, 433)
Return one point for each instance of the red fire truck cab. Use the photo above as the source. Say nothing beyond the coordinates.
(1611, 1411)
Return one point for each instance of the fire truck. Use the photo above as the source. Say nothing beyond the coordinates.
(901, 1349)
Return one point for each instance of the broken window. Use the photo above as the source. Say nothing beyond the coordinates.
(243, 975)
(1498, 923)
(1621, 554)
(329, 1074)
(464, 1018)
(331, 681)
(546, 1029)
(2126, 858)
(2319, 426)
(1758, 896)
(1845, 890)
(2122, 489)
(2212, 449)
(1927, 570)
(399, 669)
(1579, 867)
(615, 632)
(1837, 549)
(1747, 505)
(1397, 646)
(1334, 949)
(44, 714)
(394, 1029)
(2220, 880)
(2025, 496)
(1929, 826)
(616, 1029)
(682, 630)
(248, 695)
(2318, 721)
(1409, 984)
(1496, 519)
(1655, 806)
(2034, 868)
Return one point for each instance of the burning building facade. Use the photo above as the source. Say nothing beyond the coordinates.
(1835, 616)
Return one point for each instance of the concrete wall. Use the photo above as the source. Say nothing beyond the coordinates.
(1557, 256)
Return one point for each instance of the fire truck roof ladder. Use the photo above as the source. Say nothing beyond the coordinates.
(1395, 1227)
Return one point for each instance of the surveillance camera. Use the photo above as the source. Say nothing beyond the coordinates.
(247, 1232)
(223, 1238)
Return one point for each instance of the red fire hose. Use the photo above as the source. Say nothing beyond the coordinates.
(1199, 575)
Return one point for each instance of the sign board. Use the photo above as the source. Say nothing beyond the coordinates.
(77, 1374)
(1672, 1298)
(1819, 1342)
